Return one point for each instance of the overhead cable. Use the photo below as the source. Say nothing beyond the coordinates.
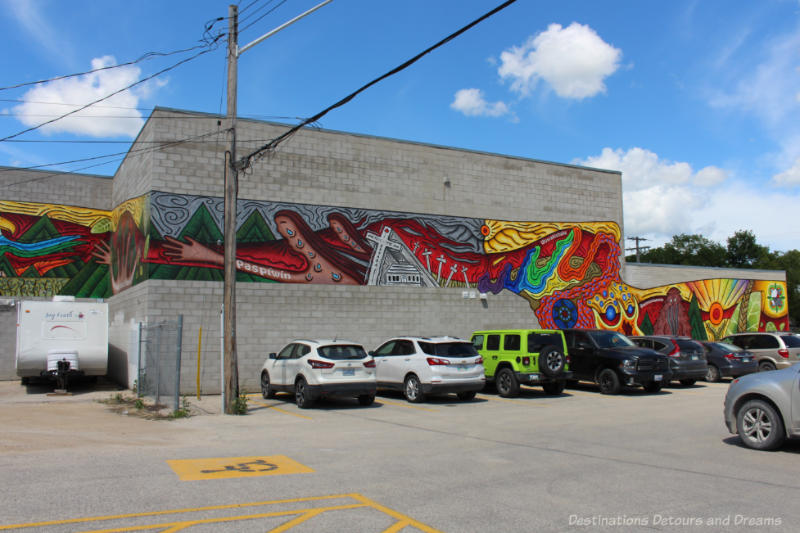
(246, 161)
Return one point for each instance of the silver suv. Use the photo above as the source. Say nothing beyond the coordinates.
(773, 350)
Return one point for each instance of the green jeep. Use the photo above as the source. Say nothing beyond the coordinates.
(517, 357)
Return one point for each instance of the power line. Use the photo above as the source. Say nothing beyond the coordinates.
(139, 151)
(262, 16)
(148, 55)
(179, 63)
(246, 161)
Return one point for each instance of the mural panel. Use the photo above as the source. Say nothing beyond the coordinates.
(569, 273)
(48, 249)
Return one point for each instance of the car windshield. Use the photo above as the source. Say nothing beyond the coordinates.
(342, 351)
(791, 341)
(728, 347)
(610, 339)
(448, 349)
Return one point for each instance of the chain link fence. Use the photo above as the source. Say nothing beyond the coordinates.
(159, 375)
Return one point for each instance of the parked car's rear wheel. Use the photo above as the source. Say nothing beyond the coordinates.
(766, 366)
(652, 386)
(760, 425)
(554, 388)
(466, 396)
(412, 389)
(688, 382)
(302, 396)
(608, 381)
(712, 374)
(507, 384)
(366, 399)
(266, 390)
(551, 361)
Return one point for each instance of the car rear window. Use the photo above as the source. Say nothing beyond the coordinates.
(791, 341)
(448, 349)
(728, 347)
(686, 344)
(610, 339)
(342, 351)
(537, 341)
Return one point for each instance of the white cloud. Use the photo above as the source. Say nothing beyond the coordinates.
(710, 176)
(472, 103)
(115, 116)
(790, 177)
(574, 61)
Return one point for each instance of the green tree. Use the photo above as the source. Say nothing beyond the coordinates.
(744, 252)
(686, 249)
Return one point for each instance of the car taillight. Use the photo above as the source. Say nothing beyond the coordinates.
(676, 351)
(319, 364)
(783, 352)
(433, 361)
(526, 361)
(370, 363)
(479, 361)
(730, 356)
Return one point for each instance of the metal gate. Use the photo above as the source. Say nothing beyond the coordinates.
(159, 375)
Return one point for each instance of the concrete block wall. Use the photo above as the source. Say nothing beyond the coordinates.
(645, 275)
(344, 169)
(81, 190)
(348, 170)
(270, 315)
(134, 175)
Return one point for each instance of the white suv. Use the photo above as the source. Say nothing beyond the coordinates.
(311, 369)
(429, 365)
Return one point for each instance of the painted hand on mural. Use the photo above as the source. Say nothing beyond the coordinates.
(302, 257)
(121, 269)
(191, 251)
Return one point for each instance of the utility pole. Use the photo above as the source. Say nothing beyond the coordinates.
(642, 248)
(230, 365)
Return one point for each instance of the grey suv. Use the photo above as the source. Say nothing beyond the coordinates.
(772, 350)
(687, 357)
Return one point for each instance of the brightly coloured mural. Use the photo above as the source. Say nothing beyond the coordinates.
(569, 273)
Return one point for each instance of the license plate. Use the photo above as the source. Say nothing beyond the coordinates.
(746, 360)
(349, 372)
(462, 368)
(657, 377)
(695, 358)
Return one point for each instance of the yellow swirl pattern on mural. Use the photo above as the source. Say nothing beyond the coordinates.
(77, 215)
(655, 292)
(502, 236)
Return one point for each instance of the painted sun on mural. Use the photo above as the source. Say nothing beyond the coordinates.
(569, 273)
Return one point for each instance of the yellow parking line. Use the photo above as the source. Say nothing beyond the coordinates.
(510, 400)
(406, 405)
(402, 519)
(296, 516)
(173, 511)
(281, 410)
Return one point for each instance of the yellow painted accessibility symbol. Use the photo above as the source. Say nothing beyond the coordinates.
(229, 467)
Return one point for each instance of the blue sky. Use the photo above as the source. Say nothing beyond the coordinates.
(696, 102)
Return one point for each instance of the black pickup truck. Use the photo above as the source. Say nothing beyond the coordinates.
(612, 360)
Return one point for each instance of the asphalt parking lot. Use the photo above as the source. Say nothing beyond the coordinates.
(577, 462)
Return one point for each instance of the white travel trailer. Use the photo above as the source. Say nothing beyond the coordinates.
(62, 337)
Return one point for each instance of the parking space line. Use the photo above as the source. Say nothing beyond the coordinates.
(297, 515)
(509, 400)
(275, 407)
(387, 402)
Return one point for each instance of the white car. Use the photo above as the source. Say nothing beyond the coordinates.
(311, 369)
(429, 365)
